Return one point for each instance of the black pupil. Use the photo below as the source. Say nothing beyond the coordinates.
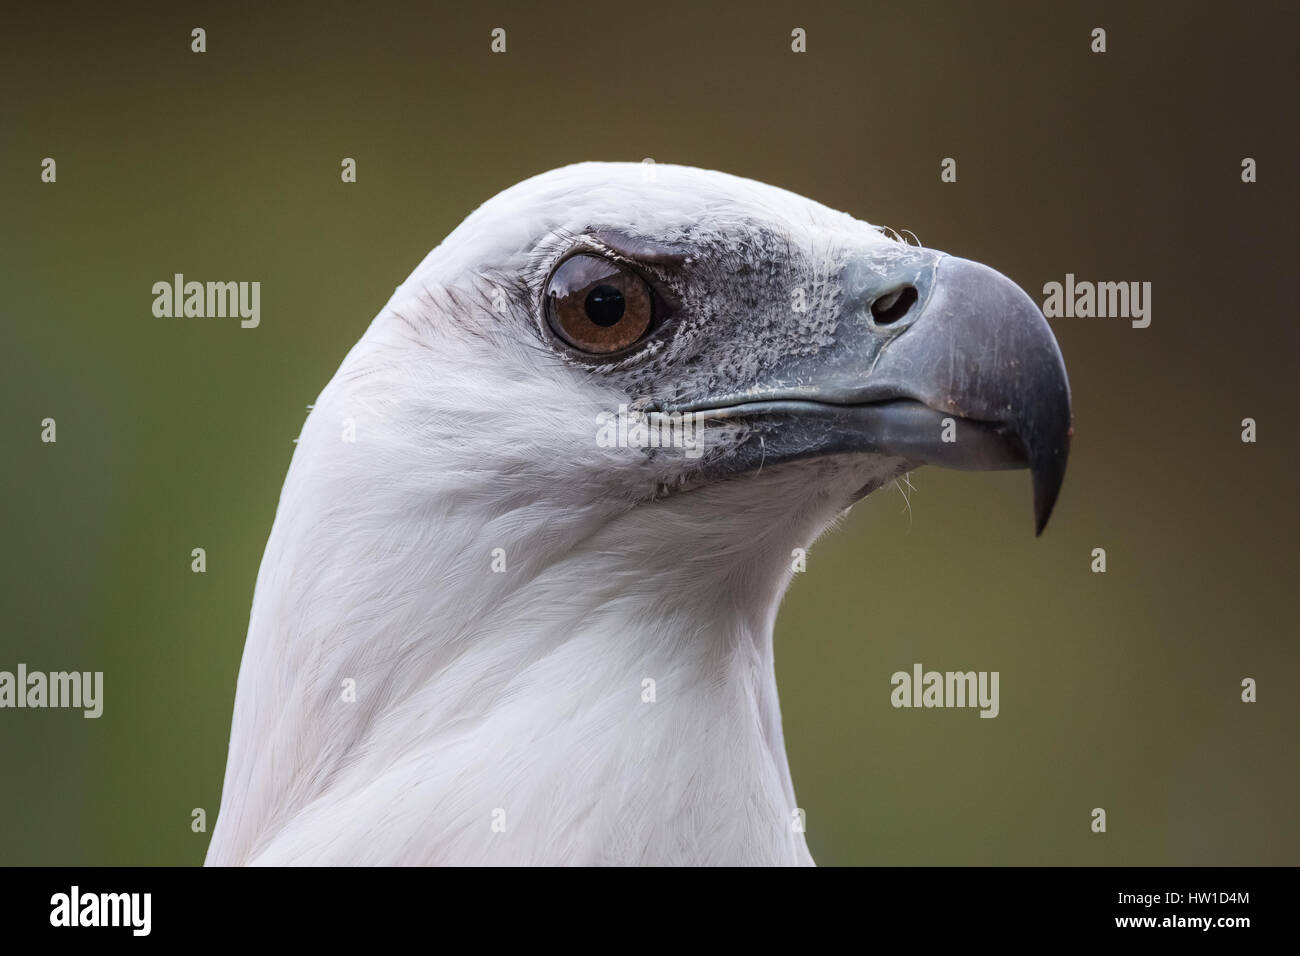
(604, 305)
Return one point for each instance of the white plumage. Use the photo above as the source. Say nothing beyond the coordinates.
(499, 715)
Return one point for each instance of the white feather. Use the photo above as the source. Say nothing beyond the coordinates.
(479, 692)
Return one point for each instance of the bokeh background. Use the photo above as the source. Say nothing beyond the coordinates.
(1118, 690)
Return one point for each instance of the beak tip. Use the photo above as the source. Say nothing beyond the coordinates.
(1048, 476)
(1041, 515)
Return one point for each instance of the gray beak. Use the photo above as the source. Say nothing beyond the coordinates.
(983, 352)
(938, 360)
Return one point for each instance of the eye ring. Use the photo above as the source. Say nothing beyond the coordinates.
(598, 306)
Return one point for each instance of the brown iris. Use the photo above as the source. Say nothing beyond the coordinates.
(597, 305)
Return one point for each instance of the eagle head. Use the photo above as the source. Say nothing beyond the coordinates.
(542, 517)
(646, 330)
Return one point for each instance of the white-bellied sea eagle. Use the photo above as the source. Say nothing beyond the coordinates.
(517, 603)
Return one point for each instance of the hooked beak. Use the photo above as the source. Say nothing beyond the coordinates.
(944, 361)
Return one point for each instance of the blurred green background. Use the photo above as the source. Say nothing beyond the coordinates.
(1118, 690)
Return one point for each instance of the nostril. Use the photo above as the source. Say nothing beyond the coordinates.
(892, 306)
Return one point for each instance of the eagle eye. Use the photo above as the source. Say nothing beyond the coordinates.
(598, 306)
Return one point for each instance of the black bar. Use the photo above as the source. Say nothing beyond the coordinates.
(330, 906)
